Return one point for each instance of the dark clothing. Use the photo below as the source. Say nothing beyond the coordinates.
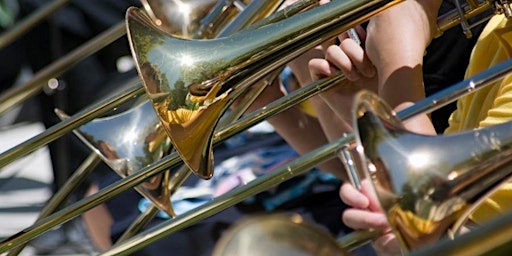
(445, 63)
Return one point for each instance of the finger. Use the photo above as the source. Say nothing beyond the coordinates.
(353, 197)
(326, 44)
(358, 57)
(340, 60)
(364, 219)
(320, 68)
(368, 191)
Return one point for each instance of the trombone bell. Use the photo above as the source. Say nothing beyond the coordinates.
(426, 184)
(191, 83)
(128, 142)
(180, 18)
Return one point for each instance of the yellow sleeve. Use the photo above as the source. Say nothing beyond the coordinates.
(501, 200)
(490, 105)
(454, 122)
(501, 110)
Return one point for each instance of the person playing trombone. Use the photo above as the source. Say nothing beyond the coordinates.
(400, 83)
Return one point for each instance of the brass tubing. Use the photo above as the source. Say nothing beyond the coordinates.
(491, 238)
(141, 222)
(59, 198)
(60, 129)
(89, 202)
(219, 16)
(177, 179)
(254, 11)
(18, 94)
(264, 50)
(358, 238)
(452, 18)
(363, 237)
(294, 168)
(172, 160)
(277, 106)
(163, 164)
(286, 12)
(68, 125)
(23, 26)
(450, 94)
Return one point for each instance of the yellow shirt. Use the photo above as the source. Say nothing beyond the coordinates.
(490, 105)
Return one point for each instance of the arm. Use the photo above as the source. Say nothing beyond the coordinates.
(390, 62)
(396, 43)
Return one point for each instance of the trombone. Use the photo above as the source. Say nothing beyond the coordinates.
(172, 160)
(198, 80)
(134, 91)
(306, 162)
(46, 223)
(16, 95)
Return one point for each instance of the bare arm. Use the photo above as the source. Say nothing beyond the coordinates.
(396, 43)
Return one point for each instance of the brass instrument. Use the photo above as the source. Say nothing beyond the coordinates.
(425, 192)
(94, 200)
(126, 148)
(121, 141)
(157, 189)
(295, 168)
(126, 160)
(172, 160)
(16, 95)
(190, 93)
(298, 166)
(166, 14)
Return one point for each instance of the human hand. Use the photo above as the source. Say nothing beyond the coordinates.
(348, 56)
(367, 214)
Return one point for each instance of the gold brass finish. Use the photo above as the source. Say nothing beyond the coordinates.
(192, 86)
(293, 169)
(59, 198)
(15, 96)
(179, 18)
(121, 141)
(172, 160)
(128, 142)
(423, 191)
(98, 109)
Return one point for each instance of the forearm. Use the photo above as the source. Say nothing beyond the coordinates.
(396, 43)
(300, 130)
(304, 134)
